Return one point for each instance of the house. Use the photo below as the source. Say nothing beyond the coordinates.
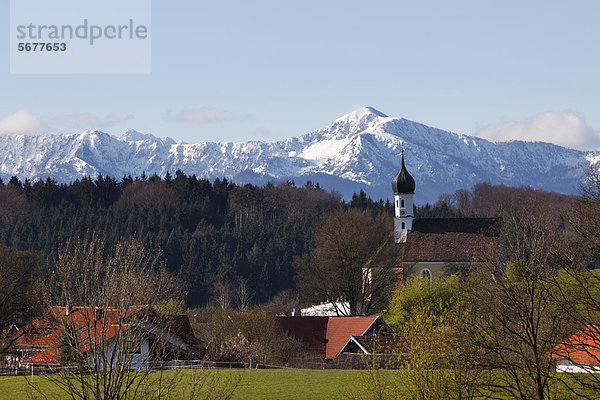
(137, 334)
(324, 337)
(580, 352)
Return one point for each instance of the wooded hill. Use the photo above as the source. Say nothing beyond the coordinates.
(209, 232)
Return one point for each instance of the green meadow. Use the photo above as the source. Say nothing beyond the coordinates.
(254, 384)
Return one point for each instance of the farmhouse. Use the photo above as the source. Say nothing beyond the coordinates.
(323, 337)
(138, 333)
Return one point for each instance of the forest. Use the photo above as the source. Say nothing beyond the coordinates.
(211, 233)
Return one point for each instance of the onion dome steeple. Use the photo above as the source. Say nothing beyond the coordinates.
(403, 182)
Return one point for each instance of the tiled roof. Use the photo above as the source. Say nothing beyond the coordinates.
(339, 330)
(446, 247)
(44, 332)
(582, 348)
(324, 337)
(310, 331)
(451, 240)
(180, 324)
(90, 332)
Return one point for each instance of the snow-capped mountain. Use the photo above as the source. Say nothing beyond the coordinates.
(360, 150)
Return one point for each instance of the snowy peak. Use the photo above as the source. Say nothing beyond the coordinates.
(359, 120)
(132, 135)
(93, 137)
(363, 115)
(360, 150)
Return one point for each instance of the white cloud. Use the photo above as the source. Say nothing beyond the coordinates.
(21, 122)
(563, 128)
(204, 115)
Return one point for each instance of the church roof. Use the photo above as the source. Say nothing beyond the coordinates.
(483, 226)
(450, 247)
(403, 182)
(449, 240)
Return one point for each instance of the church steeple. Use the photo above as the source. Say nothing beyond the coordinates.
(404, 190)
(403, 182)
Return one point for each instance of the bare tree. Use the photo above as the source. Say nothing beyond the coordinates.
(516, 321)
(577, 289)
(347, 265)
(222, 295)
(252, 336)
(283, 303)
(228, 295)
(111, 337)
(243, 295)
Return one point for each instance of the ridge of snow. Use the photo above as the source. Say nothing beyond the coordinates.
(358, 150)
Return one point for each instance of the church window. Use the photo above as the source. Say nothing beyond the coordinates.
(402, 204)
(403, 226)
(426, 273)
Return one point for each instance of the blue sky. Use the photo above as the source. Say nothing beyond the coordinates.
(266, 70)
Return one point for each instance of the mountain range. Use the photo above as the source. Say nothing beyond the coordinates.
(360, 150)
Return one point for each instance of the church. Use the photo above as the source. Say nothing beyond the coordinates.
(434, 247)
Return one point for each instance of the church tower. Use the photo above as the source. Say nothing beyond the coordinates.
(404, 190)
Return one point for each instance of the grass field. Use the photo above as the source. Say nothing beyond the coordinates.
(254, 384)
(284, 384)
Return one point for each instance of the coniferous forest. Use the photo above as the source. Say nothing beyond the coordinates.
(207, 231)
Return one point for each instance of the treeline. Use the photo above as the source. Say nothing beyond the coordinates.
(208, 232)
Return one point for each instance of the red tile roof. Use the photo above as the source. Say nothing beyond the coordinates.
(324, 337)
(582, 348)
(339, 330)
(44, 333)
(310, 331)
(90, 332)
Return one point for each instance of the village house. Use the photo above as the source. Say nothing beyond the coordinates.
(135, 330)
(580, 352)
(322, 338)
